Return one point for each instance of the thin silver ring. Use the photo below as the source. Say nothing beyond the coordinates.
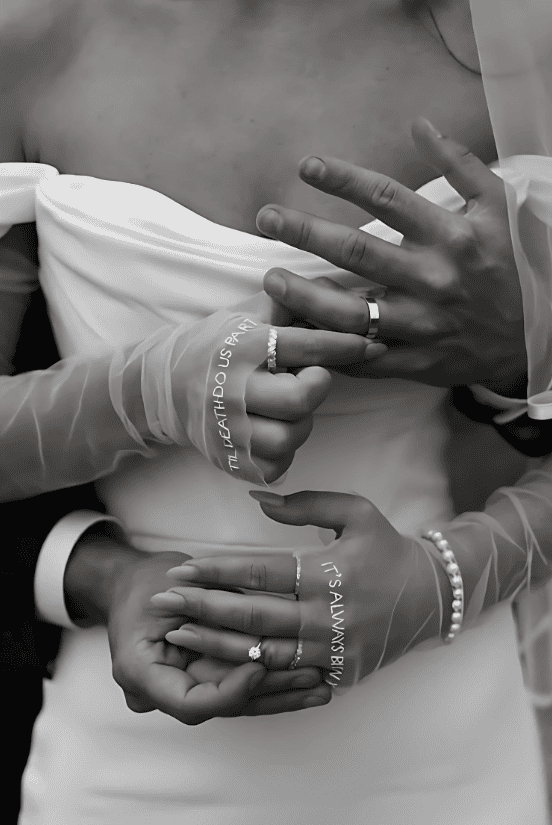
(255, 652)
(272, 341)
(373, 316)
(297, 577)
(298, 654)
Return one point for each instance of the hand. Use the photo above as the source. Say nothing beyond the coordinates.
(452, 313)
(280, 406)
(113, 585)
(363, 601)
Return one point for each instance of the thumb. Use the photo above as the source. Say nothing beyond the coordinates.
(341, 512)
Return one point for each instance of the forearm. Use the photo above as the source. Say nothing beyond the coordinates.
(509, 545)
(65, 426)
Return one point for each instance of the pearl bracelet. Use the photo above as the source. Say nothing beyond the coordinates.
(456, 581)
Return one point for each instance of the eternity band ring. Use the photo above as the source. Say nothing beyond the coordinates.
(297, 657)
(373, 316)
(272, 340)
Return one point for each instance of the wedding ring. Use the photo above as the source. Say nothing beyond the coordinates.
(297, 577)
(373, 316)
(272, 339)
(255, 652)
(298, 654)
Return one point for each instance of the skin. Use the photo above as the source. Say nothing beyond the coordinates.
(213, 104)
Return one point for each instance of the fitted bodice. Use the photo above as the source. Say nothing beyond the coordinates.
(117, 261)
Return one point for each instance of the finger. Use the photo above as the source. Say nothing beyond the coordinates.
(277, 681)
(401, 316)
(254, 615)
(274, 573)
(286, 396)
(288, 702)
(383, 197)
(297, 347)
(276, 654)
(341, 512)
(471, 178)
(360, 252)
(274, 439)
(192, 704)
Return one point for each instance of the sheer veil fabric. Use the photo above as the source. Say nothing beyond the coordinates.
(514, 40)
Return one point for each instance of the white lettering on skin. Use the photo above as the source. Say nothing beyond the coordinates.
(218, 392)
(338, 630)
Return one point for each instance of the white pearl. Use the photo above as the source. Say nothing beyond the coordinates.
(452, 568)
(456, 617)
(458, 592)
(454, 628)
(457, 604)
(448, 555)
(449, 637)
(436, 535)
(442, 544)
(456, 580)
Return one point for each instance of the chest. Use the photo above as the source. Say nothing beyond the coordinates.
(216, 111)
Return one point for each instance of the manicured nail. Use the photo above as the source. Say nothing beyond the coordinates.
(304, 682)
(187, 632)
(270, 499)
(275, 284)
(312, 168)
(432, 128)
(169, 599)
(373, 350)
(270, 222)
(186, 571)
(314, 702)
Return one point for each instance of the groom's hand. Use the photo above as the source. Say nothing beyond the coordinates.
(109, 583)
(452, 311)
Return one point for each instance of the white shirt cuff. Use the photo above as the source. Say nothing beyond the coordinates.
(52, 561)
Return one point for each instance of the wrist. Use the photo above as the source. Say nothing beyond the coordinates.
(93, 568)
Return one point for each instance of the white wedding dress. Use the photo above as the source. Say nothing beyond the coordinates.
(443, 735)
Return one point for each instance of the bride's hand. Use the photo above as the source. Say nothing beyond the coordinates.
(452, 310)
(155, 675)
(363, 601)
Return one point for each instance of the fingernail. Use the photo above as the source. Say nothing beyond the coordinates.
(314, 702)
(432, 128)
(275, 284)
(312, 168)
(186, 571)
(373, 350)
(304, 682)
(270, 222)
(271, 499)
(169, 599)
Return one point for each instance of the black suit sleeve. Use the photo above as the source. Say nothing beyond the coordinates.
(26, 642)
(531, 438)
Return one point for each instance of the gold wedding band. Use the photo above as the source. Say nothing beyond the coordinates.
(373, 316)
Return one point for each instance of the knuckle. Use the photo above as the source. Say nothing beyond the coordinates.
(383, 192)
(305, 231)
(461, 238)
(353, 248)
(252, 621)
(258, 576)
